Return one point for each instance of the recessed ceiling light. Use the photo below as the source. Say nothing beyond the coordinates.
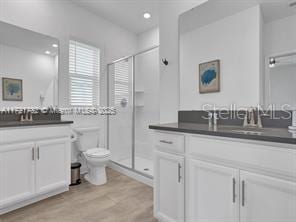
(147, 15)
(47, 52)
(55, 45)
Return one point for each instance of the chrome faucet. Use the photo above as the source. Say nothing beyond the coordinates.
(249, 120)
(26, 117)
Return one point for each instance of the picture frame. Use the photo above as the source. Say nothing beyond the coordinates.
(209, 77)
(12, 89)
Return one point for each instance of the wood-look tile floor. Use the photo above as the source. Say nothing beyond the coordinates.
(122, 199)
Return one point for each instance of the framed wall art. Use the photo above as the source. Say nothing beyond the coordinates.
(209, 77)
(12, 89)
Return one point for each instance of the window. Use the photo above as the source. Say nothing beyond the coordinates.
(84, 71)
(121, 82)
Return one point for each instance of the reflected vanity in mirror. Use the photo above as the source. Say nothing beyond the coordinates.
(28, 68)
(245, 36)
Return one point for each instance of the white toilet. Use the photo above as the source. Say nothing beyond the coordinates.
(96, 158)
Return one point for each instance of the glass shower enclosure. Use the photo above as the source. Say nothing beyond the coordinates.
(133, 89)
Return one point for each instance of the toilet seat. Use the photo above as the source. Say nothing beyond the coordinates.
(97, 153)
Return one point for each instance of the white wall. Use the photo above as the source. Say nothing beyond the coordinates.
(148, 39)
(64, 20)
(279, 36)
(169, 48)
(37, 72)
(234, 40)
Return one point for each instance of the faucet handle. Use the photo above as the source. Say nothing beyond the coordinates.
(22, 117)
(259, 121)
(246, 119)
(30, 116)
(252, 118)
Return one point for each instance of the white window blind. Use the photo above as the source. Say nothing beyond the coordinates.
(84, 71)
(121, 82)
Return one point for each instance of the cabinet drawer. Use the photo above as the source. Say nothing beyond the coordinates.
(266, 157)
(33, 133)
(169, 142)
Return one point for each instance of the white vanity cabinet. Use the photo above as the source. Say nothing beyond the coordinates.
(231, 180)
(17, 173)
(51, 171)
(267, 199)
(212, 192)
(34, 164)
(169, 192)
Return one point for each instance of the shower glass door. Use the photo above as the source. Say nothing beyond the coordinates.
(120, 96)
(133, 89)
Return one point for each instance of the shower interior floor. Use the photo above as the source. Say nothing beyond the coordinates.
(142, 165)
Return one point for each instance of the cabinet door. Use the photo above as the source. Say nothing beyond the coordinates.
(16, 173)
(267, 199)
(213, 192)
(52, 165)
(169, 187)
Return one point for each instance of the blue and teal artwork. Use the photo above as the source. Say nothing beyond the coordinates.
(209, 77)
(12, 89)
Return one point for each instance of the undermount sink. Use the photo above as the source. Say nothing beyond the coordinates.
(252, 132)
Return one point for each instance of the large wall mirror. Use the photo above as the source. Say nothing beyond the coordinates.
(238, 52)
(280, 80)
(28, 68)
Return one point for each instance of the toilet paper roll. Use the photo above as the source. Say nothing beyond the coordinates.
(74, 136)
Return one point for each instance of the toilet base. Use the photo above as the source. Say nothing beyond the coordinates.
(96, 176)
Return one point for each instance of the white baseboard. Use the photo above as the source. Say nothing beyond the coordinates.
(131, 174)
(32, 200)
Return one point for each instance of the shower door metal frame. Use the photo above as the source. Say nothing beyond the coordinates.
(133, 148)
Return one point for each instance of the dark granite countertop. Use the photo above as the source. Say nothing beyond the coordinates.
(4, 124)
(278, 135)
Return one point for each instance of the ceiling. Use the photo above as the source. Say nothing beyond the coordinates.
(276, 9)
(214, 10)
(125, 13)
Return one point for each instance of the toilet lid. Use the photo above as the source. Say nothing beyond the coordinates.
(97, 152)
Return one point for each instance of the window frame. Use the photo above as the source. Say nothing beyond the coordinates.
(95, 79)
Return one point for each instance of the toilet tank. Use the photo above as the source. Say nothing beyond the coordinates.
(87, 138)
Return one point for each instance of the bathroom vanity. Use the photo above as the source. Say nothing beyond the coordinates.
(232, 57)
(204, 174)
(34, 161)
